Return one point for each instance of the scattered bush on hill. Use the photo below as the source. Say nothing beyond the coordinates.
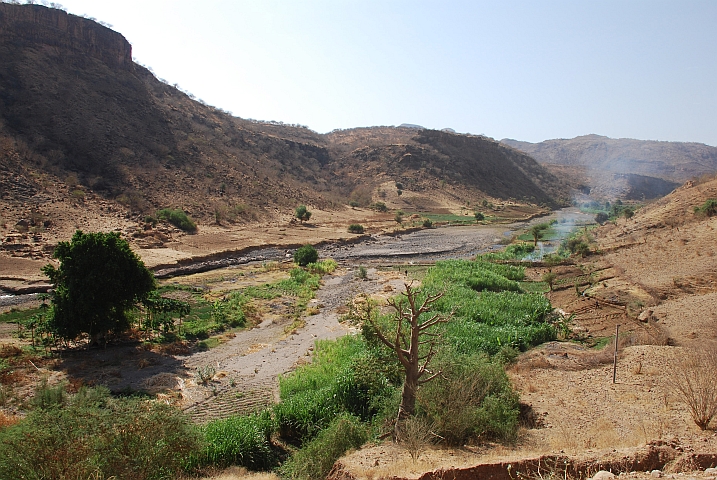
(379, 207)
(302, 213)
(355, 228)
(707, 209)
(178, 218)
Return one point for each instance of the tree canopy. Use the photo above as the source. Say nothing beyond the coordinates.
(98, 280)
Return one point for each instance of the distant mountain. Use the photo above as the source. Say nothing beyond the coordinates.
(74, 106)
(673, 161)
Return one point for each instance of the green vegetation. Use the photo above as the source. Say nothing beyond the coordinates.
(323, 267)
(349, 393)
(448, 218)
(302, 213)
(305, 255)
(707, 209)
(178, 218)
(239, 440)
(92, 435)
(516, 251)
(315, 459)
(355, 228)
(479, 216)
(609, 211)
(99, 280)
(427, 223)
(379, 207)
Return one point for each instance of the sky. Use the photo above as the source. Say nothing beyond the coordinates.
(529, 70)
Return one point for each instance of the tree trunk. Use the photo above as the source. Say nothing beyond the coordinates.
(408, 401)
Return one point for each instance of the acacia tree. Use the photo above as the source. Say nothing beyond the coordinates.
(99, 279)
(407, 345)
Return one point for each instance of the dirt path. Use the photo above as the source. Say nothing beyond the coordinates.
(248, 366)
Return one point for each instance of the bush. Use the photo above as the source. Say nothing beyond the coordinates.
(601, 217)
(479, 216)
(315, 459)
(178, 218)
(694, 382)
(379, 207)
(96, 436)
(427, 223)
(707, 209)
(239, 440)
(306, 255)
(302, 213)
(472, 399)
(399, 216)
(355, 228)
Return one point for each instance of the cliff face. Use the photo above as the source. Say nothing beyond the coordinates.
(37, 24)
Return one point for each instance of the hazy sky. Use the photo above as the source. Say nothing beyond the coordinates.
(529, 70)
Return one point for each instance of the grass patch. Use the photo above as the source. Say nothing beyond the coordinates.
(19, 316)
(178, 218)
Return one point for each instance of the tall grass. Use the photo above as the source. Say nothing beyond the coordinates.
(239, 440)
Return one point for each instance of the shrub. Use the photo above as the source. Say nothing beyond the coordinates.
(355, 228)
(315, 459)
(479, 216)
(379, 207)
(399, 216)
(601, 217)
(306, 255)
(472, 399)
(239, 440)
(178, 218)
(302, 213)
(323, 267)
(694, 381)
(707, 209)
(362, 272)
(96, 436)
(427, 223)
(353, 204)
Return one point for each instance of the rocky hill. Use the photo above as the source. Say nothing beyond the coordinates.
(75, 110)
(624, 167)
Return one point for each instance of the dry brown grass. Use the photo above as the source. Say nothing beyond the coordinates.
(7, 420)
(241, 473)
(693, 380)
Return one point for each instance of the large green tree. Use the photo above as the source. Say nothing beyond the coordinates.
(98, 281)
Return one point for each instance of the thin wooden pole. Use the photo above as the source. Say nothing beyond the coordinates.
(614, 359)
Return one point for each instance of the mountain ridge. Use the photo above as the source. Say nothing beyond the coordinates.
(80, 114)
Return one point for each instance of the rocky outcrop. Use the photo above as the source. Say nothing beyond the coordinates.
(52, 27)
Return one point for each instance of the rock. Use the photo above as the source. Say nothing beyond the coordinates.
(656, 473)
(603, 475)
(645, 316)
(711, 471)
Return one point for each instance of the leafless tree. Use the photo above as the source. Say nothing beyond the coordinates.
(415, 347)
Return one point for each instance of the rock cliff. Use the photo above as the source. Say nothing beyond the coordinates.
(37, 24)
